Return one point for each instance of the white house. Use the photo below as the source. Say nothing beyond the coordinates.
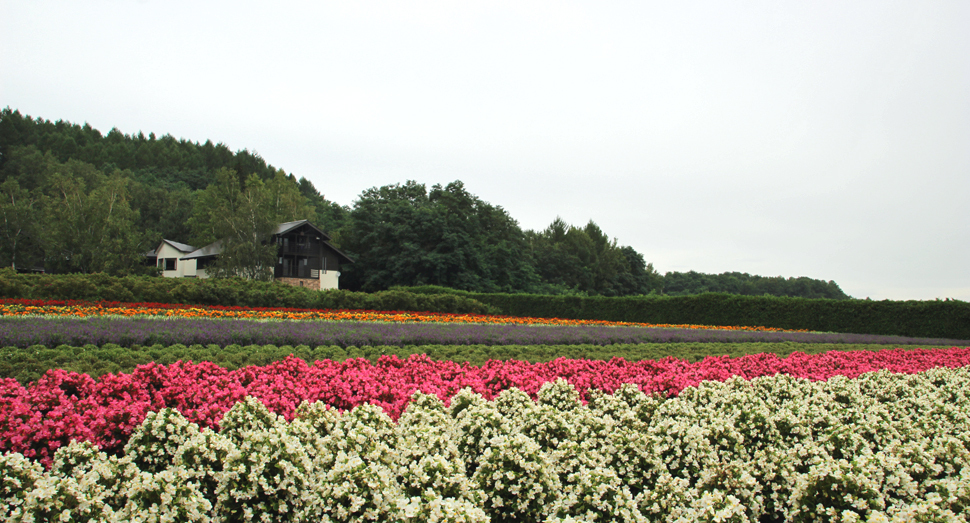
(305, 257)
(167, 257)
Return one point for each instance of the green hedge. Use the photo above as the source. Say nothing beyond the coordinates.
(26, 365)
(231, 291)
(924, 319)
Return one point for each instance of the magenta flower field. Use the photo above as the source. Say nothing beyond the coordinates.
(63, 406)
(838, 436)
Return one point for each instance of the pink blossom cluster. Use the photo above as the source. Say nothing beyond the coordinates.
(62, 406)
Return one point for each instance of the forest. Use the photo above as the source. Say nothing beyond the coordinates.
(74, 200)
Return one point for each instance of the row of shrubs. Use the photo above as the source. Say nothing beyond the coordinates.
(230, 291)
(929, 319)
(28, 365)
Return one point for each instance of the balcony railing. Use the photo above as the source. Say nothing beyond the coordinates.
(305, 248)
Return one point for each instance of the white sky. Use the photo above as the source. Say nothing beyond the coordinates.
(827, 139)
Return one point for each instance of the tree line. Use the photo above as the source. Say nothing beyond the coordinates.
(74, 200)
(691, 283)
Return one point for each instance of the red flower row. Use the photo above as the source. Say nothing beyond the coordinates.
(61, 406)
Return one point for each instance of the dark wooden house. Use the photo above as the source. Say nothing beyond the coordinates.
(305, 257)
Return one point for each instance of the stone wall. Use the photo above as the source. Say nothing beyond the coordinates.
(301, 282)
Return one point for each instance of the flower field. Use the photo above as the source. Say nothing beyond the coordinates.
(82, 309)
(27, 331)
(837, 436)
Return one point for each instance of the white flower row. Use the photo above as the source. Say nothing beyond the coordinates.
(879, 448)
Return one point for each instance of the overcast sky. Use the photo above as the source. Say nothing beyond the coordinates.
(827, 139)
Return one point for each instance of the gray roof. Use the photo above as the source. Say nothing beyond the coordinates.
(284, 228)
(212, 249)
(180, 246)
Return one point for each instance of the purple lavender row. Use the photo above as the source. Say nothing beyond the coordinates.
(51, 332)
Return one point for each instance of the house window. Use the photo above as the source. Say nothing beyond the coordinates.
(170, 264)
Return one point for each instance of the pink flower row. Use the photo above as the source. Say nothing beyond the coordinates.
(61, 406)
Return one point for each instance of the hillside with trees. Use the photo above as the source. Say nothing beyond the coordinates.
(74, 200)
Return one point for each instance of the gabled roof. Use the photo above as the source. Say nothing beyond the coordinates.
(180, 246)
(284, 228)
(343, 256)
(212, 249)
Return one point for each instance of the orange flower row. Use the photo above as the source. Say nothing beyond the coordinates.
(83, 310)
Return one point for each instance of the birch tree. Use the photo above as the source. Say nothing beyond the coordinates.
(18, 215)
(90, 225)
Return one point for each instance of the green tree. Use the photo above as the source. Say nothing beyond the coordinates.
(688, 283)
(246, 234)
(560, 270)
(640, 277)
(28, 166)
(243, 217)
(329, 216)
(285, 201)
(162, 212)
(90, 226)
(214, 206)
(584, 260)
(405, 235)
(19, 210)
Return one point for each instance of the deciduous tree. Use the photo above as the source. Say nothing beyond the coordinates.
(406, 235)
(243, 216)
(19, 211)
(90, 226)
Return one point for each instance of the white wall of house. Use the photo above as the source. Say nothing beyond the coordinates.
(168, 256)
(188, 268)
(328, 279)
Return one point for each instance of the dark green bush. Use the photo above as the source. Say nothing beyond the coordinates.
(430, 289)
(230, 291)
(924, 319)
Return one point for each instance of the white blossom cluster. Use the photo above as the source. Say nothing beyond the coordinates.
(880, 448)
